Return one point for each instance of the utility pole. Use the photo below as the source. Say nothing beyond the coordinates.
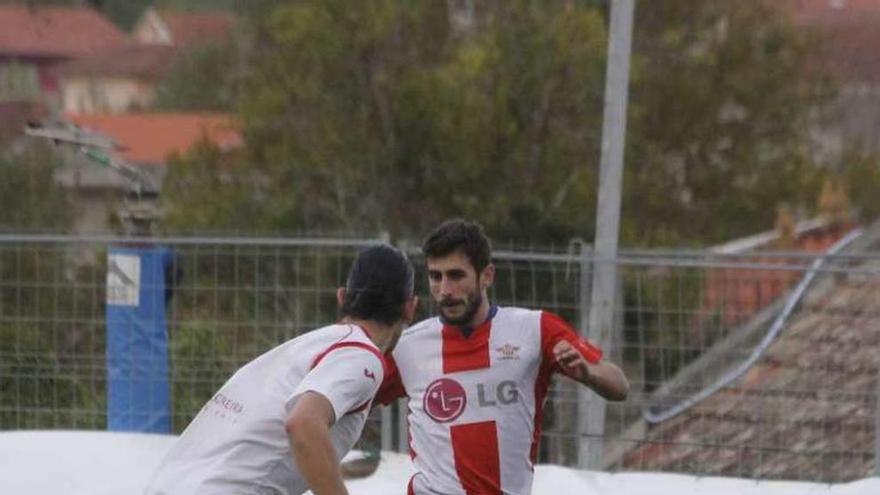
(601, 322)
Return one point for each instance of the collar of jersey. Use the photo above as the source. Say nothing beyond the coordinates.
(467, 332)
(362, 329)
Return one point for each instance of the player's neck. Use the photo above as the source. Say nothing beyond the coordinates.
(482, 313)
(378, 333)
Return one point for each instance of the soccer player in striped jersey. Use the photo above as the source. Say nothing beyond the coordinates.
(477, 375)
(281, 424)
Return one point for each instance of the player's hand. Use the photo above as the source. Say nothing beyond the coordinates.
(571, 361)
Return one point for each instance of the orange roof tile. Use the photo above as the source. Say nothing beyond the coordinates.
(149, 138)
(852, 35)
(57, 32)
(192, 28)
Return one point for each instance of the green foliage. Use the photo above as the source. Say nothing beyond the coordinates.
(18, 82)
(30, 198)
(385, 117)
(392, 115)
(861, 179)
(226, 191)
(44, 383)
(125, 13)
(200, 364)
(52, 364)
(201, 79)
(721, 108)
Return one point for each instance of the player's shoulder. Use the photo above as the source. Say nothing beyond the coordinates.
(419, 331)
(518, 316)
(344, 332)
(421, 328)
(517, 312)
(343, 337)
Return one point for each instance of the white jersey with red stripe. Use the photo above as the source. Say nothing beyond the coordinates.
(238, 444)
(475, 402)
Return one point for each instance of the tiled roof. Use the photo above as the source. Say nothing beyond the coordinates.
(188, 29)
(852, 35)
(135, 60)
(56, 32)
(14, 115)
(149, 138)
(805, 410)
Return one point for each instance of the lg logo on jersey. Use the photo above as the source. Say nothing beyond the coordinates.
(445, 399)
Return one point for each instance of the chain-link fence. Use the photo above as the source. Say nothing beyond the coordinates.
(762, 365)
(739, 365)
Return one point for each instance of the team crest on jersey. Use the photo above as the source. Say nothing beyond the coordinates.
(444, 400)
(508, 351)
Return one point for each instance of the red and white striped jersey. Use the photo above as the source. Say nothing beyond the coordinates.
(475, 402)
(238, 443)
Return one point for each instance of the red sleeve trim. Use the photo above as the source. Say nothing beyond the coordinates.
(391, 388)
(554, 329)
(359, 345)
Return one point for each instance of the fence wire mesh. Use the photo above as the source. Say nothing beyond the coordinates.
(806, 409)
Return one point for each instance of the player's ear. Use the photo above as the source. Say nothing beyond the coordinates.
(340, 296)
(409, 309)
(487, 276)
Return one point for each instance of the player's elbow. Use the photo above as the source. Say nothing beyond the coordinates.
(620, 391)
(311, 414)
(616, 386)
(299, 427)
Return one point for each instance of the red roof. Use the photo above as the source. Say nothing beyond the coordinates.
(194, 28)
(149, 138)
(56, 32)
(135, 60)
(852, 35)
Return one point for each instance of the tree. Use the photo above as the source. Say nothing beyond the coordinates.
(393, 115)
(204, 78)
(30, 198)
(722, 111)
(208, 191)
(388, 117)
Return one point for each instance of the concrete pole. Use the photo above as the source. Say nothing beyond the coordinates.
(877, 427)
(601, 322)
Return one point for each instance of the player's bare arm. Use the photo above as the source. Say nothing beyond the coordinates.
(604, 377)
(308, 430)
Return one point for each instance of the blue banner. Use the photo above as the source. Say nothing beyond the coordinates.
(138, 397)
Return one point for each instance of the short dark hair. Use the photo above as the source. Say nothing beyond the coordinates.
(459, 234)
(379, 282)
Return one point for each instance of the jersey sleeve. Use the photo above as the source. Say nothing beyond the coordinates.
(555, 329)
(348, 377)
(392, 386)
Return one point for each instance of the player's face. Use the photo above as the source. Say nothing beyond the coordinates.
(457, 288)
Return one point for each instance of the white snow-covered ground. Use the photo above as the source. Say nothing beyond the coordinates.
(103, 463)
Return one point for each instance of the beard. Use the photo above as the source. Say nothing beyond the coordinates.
(472, 305)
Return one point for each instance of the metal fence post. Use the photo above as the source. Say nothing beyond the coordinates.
(877, 426)
(602, 311)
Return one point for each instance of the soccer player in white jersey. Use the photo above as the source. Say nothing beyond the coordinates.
(477, 375)
(281, 424)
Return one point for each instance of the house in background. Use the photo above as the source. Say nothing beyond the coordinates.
(849, 53)
(145, 141)
(124, 79)
(184, 30)
(35, 40)
(114, 82)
